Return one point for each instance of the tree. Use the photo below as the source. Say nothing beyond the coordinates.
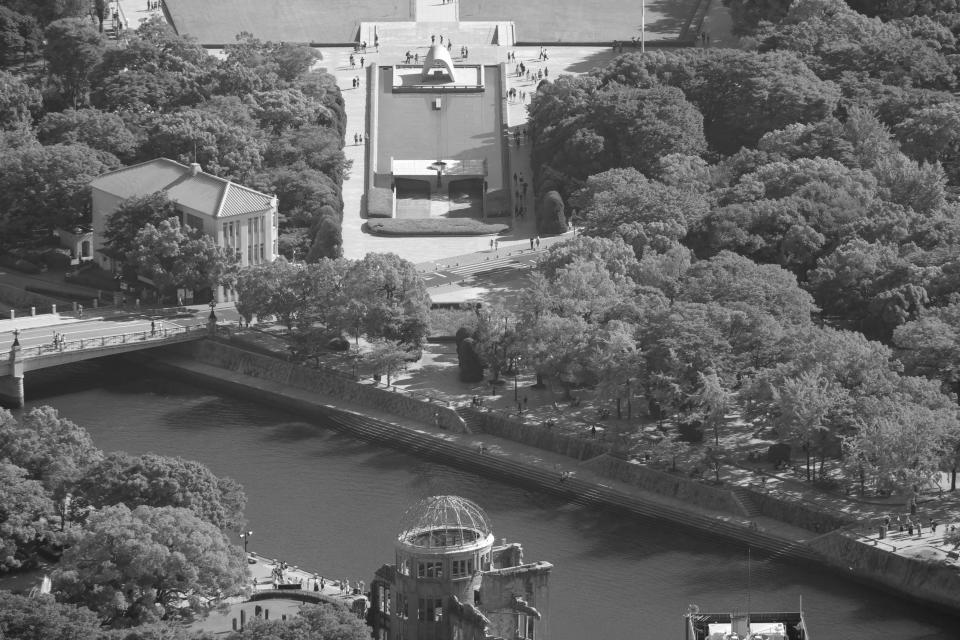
(386, 298)
(713, 401)
(643, 213)
(386, 356)
(42, 188)
(930, 346)
(96, 129)
(19, 102)
(162, 481)
(43, 618)
(149, 563)
(73, 49)
(931, 135)
(898, 444)
(194, 135)
(179, 257)
(25, 514)
(317, 622)
(736, 281)
(20, 36)
(53, 450)
(281, 109)
(870, 286)
(805, 403)
(132, 215)
(744, 94)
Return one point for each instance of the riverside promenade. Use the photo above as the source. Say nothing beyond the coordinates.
(913, 567)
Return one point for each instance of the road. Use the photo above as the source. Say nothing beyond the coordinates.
(99, 327)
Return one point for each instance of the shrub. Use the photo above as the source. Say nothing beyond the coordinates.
(550, 217)
(19, 264)
(433, 227)
(379, 202)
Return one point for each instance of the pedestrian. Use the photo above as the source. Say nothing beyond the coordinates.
(491, 244)
(361, 138)
(538, 242)
(496, 244)
(352, 61)
(514, 177)
(153, 328)
(546, 71)
(531, 243)
(80, 310)
(362, 59)
(416, 58)
(441, 39)
(433, 39)
(323, 583)
(355, 141)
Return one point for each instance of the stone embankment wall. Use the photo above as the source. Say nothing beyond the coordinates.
(799, 514)
(666, 484)
(929, 582)
(257, 365)
(539, 436)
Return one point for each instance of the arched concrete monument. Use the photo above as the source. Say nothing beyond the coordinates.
(438, 58)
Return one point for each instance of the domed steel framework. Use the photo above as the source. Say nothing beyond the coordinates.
(444, 521)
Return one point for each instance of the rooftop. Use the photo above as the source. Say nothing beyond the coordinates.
(185, 185)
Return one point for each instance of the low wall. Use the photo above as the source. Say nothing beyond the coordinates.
(928, 582)
(798, 513)
(666, 484)
(538, 436)
(257, 365)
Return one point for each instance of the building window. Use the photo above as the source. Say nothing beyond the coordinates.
(263, 252)
(438, 609)
(421, 610)
(461, 568)
(430, 569)
(385, 601)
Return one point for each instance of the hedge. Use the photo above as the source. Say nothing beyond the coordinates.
(433, 227)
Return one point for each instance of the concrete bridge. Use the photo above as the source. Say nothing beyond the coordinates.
(20, 359)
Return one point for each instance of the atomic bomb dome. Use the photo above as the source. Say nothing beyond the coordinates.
(444, 522)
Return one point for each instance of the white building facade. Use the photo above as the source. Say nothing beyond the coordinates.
(239, 219)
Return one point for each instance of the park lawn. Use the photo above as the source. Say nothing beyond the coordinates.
(217, 22)
(568, 21)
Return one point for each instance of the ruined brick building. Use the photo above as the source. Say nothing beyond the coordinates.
(451, 581)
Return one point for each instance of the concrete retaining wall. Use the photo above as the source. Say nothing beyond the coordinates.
(540, 437)
(924, 581)
(274, 369)
(666, 484)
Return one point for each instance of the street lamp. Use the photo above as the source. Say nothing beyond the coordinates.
(439, 166)
(246, 540)
(213, 315)
(16, 338)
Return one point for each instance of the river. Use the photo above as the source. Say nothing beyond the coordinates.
(322, 500)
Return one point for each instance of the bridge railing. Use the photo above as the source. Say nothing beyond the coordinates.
(159, 335)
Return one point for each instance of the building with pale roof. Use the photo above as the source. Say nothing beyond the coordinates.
(238, 218)
(452, 581)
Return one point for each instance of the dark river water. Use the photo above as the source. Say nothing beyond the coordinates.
(322, 500)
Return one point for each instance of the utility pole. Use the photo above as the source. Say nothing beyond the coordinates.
(643, 26)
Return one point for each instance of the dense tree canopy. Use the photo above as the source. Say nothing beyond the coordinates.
(161, 481)
(148, 563)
